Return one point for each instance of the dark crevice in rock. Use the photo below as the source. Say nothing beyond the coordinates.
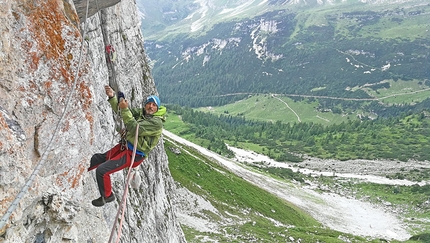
(13, 125)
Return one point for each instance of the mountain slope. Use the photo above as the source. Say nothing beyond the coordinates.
(323, 49)
(200, 178)
(159, 18)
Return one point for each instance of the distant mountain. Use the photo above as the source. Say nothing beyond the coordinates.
(160, 18)
(344, 54)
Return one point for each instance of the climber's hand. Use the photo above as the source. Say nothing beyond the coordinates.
(109, 91)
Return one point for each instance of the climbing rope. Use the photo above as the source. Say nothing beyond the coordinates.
(39, 165)
(110, 60)
(120, 127)
(123, 204)
(110, 52)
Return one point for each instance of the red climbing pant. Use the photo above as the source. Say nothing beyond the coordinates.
(112, 161)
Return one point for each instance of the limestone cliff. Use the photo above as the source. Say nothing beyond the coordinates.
(54, 114)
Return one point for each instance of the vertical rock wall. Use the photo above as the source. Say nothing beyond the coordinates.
(42, 74)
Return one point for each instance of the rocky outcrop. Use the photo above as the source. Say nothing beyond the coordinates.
(54, 116)
(93, 6)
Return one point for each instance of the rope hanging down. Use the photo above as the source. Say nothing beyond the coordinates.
(110, 61)
(39, 165)
(124, 196)
(110, 52)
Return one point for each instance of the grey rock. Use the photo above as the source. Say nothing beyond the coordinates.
(53, 109)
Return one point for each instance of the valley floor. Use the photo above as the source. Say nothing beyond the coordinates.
(342, 213)
(374, 171)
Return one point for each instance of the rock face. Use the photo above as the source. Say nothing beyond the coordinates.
(54, 116)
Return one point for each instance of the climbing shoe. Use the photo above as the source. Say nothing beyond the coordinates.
(99, 202)
(111, 198)
(103, 200)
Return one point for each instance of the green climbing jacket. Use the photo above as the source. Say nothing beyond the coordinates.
(150, 126)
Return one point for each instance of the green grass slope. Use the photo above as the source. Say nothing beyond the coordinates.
(279, 108)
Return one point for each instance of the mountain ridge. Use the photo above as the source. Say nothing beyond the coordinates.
(311, 52)
(202, 14)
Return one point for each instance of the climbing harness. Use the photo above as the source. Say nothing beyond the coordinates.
(39, 165)
(123, 140)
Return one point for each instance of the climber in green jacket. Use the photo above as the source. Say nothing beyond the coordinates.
(150, 121)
